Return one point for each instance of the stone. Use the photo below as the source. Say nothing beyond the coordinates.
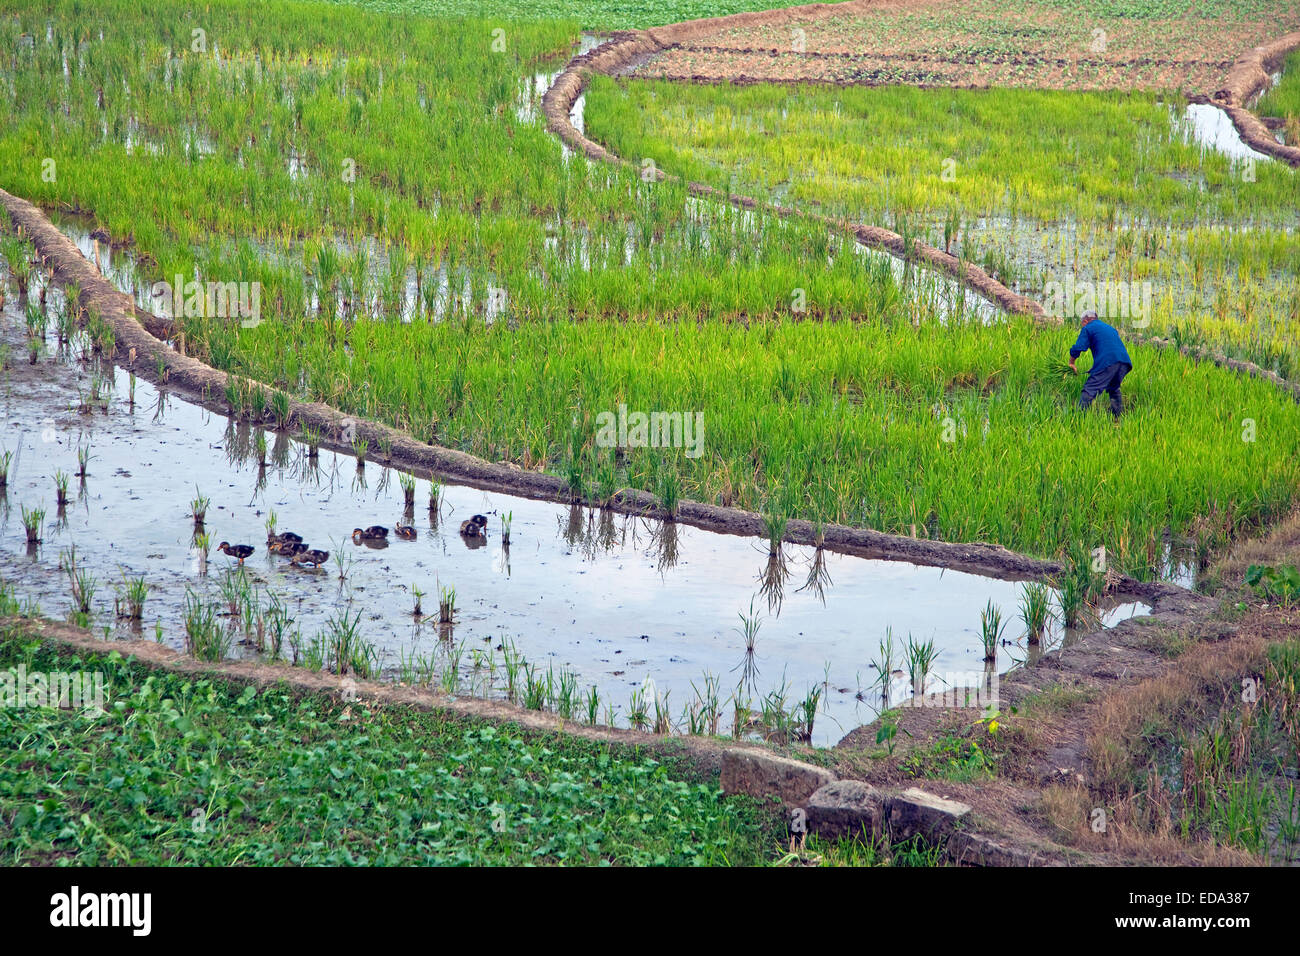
(761, 774)
(846, 808)
(915, 812)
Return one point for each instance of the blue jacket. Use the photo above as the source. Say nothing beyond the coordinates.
(1105, 344)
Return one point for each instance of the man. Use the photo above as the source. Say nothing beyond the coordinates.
(1110, 361)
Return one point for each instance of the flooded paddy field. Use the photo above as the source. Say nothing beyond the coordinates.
(632, 607)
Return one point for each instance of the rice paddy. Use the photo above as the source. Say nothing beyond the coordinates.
(359, 204)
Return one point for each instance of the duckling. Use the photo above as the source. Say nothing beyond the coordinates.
(239, 551)
(376, 532)
(474, 527)
(404, 531)
(311, 556)
(289, 549)
(284, 537)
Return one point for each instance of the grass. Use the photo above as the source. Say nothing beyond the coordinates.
(267, 772)
(611, 280)
(1108, 189)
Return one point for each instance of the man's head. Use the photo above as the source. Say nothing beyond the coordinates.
(1087, 317)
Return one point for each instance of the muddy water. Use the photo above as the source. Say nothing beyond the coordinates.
(610, 598)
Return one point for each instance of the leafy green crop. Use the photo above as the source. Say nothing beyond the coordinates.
(195, 771)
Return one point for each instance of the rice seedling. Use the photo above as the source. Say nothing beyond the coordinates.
(360, 447)
(663, 723)
(280, 409)
(638, 714)
(417, 597)
(311, 436)
(918, 659)
(991, 629)
(199, 506)
(61, 480)
(33, 523)
(591, 704)
(84, 458)
(506, 520)
(205, 638)
(534, 689)
(435, 497)
(81, 581)
(6, 460)
(408, 488)
(260, 449)
(669, 492)
(446, 604)
(131, 595)
(346, 651)
(707, 706)
(202, 550)
(748, 630)
(1035, 610)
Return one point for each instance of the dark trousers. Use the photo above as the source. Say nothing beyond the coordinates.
(1106, 380)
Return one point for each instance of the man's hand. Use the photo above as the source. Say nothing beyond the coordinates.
(1072, 368)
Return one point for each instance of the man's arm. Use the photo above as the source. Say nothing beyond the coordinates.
(1081, 345)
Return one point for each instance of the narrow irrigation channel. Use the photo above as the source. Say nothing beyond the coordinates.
(637, 609)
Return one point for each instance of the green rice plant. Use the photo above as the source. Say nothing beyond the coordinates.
(202, 549)
(919, 658)
(408, 488)
(591, 703)
(663, 723)
(707, 706)
(6, 460)
(742, 712)
(566, 695)
(277, 622)
(435, 496)
(33, 523)
(310, 435)
(81, 581)
(235, 589)
(199, 506)
(346, 650)
(638, 714)
(1035, 610)
(991, 629)
(451, 669)
(131, 595)
(37, 321)
(446, 604)
(506, 520)
(61, 479)
(417, 597)
(260, 448)
(669, 492)
(84, 458)
(360, 447)
(513, 664)
(280, 409)
(19, 266)
(807, 709)
(205, 638)
(748, 630)
(534, 688)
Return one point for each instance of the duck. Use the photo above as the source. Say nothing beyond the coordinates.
(284, 537)
(474, 527)
(311, 556)
(376, 532)
(404, 531)
(288, 549)
(239, 551)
